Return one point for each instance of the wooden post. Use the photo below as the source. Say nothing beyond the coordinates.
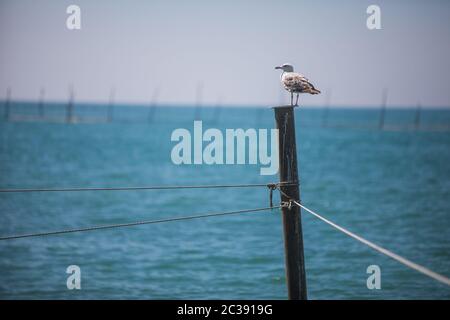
(7, 104)
(69, 111)
(383, 109)
(292, 227)
(151, 113)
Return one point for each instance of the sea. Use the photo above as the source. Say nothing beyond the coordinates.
(387, 180)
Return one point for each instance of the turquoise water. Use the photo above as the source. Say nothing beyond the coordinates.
(391, 186)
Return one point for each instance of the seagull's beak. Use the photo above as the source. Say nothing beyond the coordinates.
(278, 67)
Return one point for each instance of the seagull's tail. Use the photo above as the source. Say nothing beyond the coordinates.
(312, 89)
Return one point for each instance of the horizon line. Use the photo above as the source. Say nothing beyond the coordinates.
(231, 105)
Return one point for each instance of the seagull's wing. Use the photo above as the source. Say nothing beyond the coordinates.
(292, 82)
(308, 87)
(297, 83)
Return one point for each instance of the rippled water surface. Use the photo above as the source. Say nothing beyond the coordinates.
(391, 186)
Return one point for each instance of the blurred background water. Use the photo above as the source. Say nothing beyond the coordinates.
(391, 186)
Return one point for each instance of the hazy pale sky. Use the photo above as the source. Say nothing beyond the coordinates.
(230, 48)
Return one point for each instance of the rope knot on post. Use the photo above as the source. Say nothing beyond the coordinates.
(286, 204)
(272, 187)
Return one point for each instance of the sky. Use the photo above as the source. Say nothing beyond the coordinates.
(184, 52)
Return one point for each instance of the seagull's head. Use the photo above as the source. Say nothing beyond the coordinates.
(286, 67)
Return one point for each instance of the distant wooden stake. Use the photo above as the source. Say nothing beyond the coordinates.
(417, 117)
(7, 104)
(292, 227)
(70, 106)
(383, 109)
(41, 102)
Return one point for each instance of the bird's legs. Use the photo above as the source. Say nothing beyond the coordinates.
(296, 101)
(292, 98)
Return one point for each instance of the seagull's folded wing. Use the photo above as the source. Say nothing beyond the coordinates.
(303, 77)
(295, 82)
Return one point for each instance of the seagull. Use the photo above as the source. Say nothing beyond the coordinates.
(295, 82)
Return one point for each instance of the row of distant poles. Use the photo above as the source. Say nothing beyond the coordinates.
(382, 114)
(199, 104)
(70, 106)
(381, 122)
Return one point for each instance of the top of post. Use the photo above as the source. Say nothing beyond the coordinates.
(285, 106)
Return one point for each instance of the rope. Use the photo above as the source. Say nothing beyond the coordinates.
(143, 188)
(129, 224)
(441, 278)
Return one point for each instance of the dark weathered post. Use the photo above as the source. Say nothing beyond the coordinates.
(292, 227)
